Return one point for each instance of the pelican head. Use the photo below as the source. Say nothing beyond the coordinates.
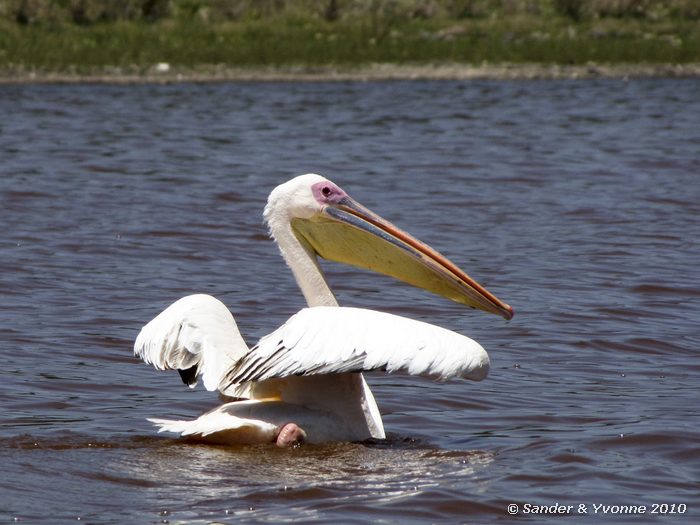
(328, 223)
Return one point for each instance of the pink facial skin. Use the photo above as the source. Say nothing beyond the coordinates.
(327, 193)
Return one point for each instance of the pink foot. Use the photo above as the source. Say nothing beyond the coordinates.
(290, 434)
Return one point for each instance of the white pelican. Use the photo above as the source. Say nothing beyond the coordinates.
(304, 380)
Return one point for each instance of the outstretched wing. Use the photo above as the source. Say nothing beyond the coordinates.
(325, 340)
(195, 335)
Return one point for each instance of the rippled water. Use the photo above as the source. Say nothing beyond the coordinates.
(578, 202)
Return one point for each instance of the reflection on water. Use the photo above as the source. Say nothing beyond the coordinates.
(576, 202)
(180, 479)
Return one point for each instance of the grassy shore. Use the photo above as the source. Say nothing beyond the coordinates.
(330, 36)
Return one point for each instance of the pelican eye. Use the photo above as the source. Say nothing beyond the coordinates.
(326, 191)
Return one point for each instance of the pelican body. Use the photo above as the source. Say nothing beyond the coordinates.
(304, 381)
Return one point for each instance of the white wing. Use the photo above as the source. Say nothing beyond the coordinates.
(324, 340)
(195, 335)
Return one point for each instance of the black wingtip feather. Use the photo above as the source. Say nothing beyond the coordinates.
(189, 375)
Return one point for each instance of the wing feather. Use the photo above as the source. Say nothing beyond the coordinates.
(196, 332)
(325, 340)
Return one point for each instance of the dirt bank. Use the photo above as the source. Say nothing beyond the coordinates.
(164, 73)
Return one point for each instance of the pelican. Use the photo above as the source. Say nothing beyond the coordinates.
(304, 381)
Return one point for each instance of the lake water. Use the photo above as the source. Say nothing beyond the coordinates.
(577, 202)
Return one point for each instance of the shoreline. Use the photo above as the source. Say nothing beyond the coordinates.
(166, 74)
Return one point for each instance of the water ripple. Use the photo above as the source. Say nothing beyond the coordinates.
(577, 202)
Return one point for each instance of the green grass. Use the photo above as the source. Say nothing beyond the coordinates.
(295, 40)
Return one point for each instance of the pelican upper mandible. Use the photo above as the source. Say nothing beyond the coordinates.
(304, 380)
